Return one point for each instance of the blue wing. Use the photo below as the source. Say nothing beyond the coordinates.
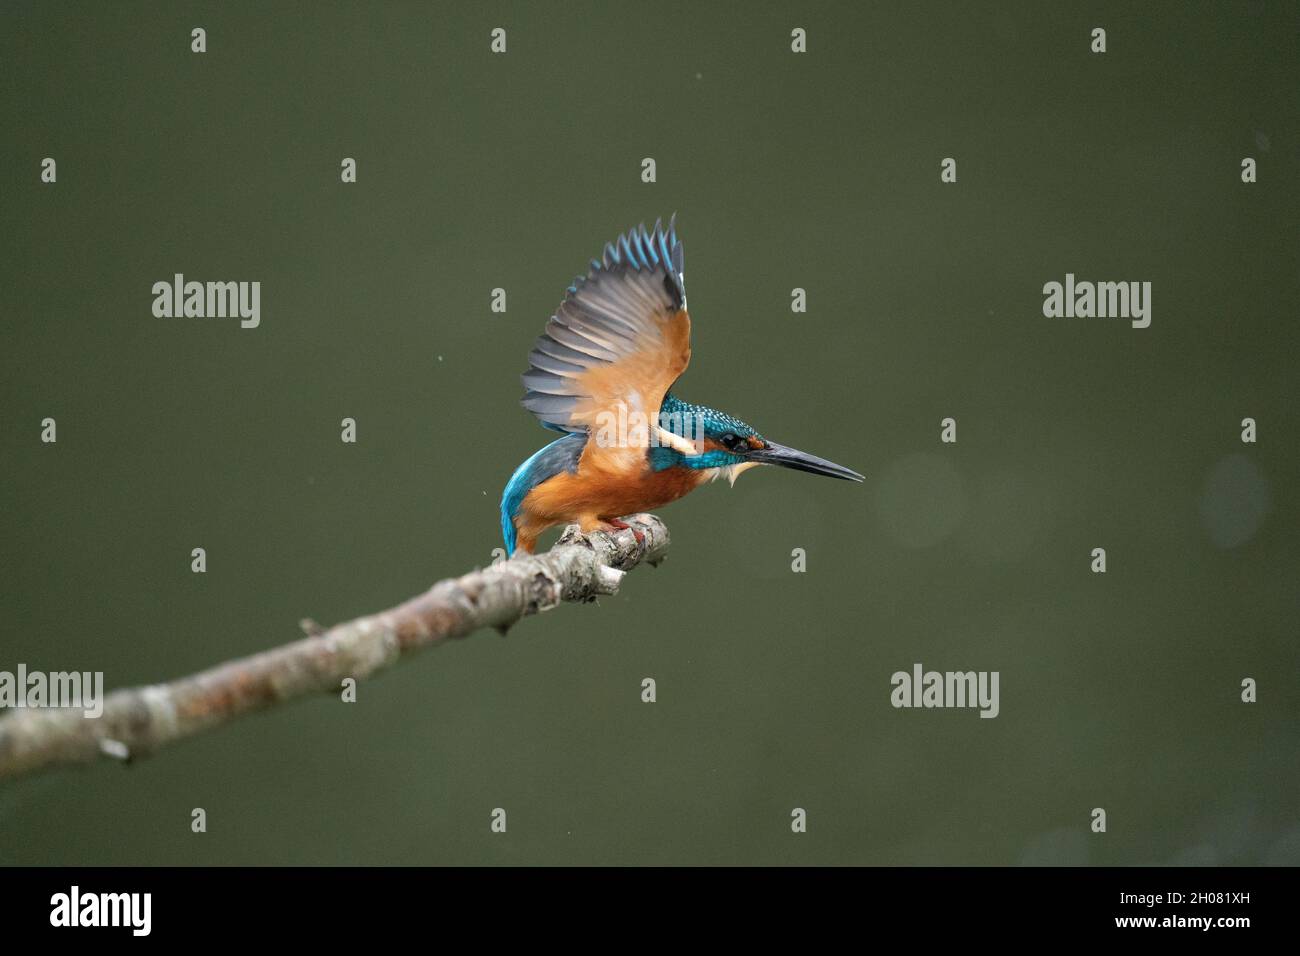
(560, 455)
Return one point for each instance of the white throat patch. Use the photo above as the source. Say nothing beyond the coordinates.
(732, 472)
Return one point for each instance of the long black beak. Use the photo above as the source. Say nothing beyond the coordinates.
(775, 454)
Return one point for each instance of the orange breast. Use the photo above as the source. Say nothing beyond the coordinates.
(593, 494)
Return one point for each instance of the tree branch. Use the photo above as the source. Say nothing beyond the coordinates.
(138, 721)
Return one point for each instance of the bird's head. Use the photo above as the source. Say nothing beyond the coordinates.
(705, 438)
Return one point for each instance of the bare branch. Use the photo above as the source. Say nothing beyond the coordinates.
(138, 721)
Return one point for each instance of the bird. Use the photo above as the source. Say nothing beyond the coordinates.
(603, 373)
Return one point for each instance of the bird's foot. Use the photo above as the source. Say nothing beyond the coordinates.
(613, 524)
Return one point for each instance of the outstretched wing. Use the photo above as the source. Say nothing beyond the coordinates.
(618, 341)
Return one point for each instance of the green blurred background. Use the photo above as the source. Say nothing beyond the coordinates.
(818, 171)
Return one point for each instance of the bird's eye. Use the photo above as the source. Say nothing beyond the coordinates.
(729, 440)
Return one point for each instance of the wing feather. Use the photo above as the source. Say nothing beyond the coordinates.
(615, 345)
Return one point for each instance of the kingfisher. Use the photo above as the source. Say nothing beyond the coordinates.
(603, 374)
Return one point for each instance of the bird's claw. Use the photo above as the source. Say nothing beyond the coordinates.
(616, 525)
